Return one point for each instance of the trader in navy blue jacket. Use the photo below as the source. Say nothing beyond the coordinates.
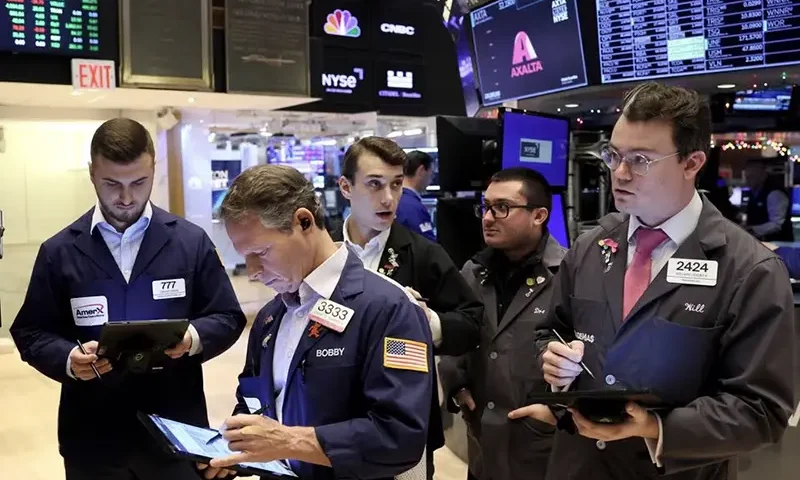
(411, 213)
(124, 260)
(341, 359)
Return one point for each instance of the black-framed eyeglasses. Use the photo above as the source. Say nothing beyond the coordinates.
(637, 162)
(500, 210)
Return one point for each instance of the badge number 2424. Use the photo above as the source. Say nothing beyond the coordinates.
(689, 271)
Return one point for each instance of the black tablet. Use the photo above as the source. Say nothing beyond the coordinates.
(600, 406)
(189, 442)
(140, 344)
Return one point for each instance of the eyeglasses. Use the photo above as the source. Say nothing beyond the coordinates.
(500, 210)
(637, 163)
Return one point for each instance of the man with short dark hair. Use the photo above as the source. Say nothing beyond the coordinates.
(670, 297)
(513, 277)
(769, 211)
(340, 361)
(411, 213)
(127, 260)
(372, 178)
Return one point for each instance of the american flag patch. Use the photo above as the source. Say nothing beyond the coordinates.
(405, 354)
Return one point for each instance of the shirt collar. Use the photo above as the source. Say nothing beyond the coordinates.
(99, 219)
(412, 192)
(323, 280)
(379, 241)
(679, 226)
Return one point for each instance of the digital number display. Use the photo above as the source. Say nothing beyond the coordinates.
(644, 39)
(69, 27)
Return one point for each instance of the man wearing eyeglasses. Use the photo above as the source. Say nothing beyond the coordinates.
(513, 278)
(667, 296)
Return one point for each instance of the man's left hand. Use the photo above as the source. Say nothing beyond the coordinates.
(640, 423)
(421, 303)
(256, 438)
(181, 348)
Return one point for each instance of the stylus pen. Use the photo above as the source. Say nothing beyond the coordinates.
(219, 434)
(583, 365)
(94, 368)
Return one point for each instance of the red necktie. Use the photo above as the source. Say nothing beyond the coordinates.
(637, 276)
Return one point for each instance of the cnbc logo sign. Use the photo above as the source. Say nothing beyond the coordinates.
(342, 23)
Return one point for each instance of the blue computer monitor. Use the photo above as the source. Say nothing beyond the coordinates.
(537, 141)
(558, 221)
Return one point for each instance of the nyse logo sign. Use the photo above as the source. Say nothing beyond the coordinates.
(398, 79)
(397, 29)
(340, 83)
(535, 151)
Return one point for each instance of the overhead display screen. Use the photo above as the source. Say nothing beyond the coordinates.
(397, 26)
(525, 48)
(69, 27)
(644, 39)
(341, 23)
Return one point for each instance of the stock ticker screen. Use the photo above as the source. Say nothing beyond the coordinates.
(68, 27)
(525, 48)
(644, 39)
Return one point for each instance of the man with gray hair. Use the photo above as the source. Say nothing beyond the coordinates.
(337, 376)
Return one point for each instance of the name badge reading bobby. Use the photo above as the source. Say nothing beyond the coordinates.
(331, 315)
(688, 271)
(172, 288)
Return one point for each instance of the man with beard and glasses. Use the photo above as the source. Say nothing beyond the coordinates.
(125, 260)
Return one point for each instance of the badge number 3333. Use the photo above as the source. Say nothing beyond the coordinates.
(331, 315)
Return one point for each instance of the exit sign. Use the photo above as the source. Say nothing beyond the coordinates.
(93, 74)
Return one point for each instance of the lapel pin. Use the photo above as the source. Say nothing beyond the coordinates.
(314, 330)
(529, 282)
(530, 292)
(266, 340)
(268, 320)
(539, 280)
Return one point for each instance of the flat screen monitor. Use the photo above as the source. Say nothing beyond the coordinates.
(467, 152)
(795, 201)
(344, 77)
(558, 221)
(536, 141)
(767, 100)
(64, 27)
(666, 39)
(525, 48)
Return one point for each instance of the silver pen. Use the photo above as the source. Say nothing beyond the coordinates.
(583, 365)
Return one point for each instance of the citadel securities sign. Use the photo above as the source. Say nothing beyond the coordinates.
(525, 61)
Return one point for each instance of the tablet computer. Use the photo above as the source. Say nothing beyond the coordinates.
(600, 406)
(141, 340)
(189, 442)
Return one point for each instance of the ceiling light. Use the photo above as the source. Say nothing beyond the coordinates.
(412, 132)
(395, 134)
(572, 105)
(76, 93)
(726, 85)
(191, 99)
(558, 109)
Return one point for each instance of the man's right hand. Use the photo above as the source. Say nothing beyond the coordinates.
(561, 364)
(465, 401)
(82, 364)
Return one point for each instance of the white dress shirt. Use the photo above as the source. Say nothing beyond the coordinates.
(678, 228)
(370, 256)
(124, 247)
(318, 284)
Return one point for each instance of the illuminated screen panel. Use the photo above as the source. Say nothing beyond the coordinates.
(646, 39)
(68, 27)
(525, 48)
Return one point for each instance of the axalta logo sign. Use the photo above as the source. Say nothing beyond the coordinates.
(525, 61)
(93, 310)
(397, 29)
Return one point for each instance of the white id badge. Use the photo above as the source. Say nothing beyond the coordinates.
(690, 271)
(331, 315)
(172, 288)
(89, 311)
